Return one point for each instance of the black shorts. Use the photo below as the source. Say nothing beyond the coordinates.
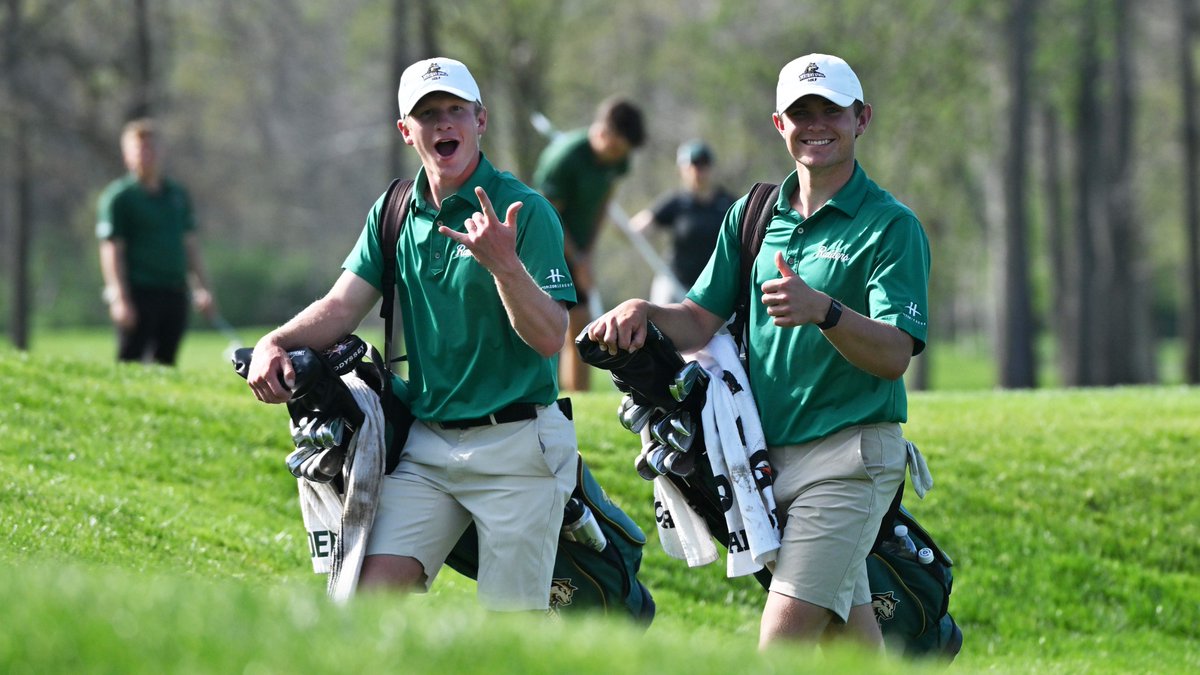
(162, 316)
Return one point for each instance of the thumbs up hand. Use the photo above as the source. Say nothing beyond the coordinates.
(790, 302)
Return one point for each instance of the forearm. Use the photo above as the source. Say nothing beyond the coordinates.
(197, 274)
(328, 319)
(878, 348)
(112, 268)
(642, 221)
(688, 325)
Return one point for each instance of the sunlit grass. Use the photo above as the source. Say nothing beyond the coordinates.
(149, 506)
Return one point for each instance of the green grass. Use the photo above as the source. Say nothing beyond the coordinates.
(149, 525)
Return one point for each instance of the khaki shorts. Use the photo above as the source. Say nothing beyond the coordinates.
(512, 480)
(834, 493)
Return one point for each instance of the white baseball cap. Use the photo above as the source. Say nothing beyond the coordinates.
(821, 74)
(436, 74)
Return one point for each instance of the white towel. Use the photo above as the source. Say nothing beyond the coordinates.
(321, 509)
(338, 525)
(737, 452)
(365, 457)
(682, 532)
(918, 470)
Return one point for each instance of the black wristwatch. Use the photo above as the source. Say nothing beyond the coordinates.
(832, 316)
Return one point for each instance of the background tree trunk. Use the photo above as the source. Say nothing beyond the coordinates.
(1125, 326)
(400, 60)
(1077, 352)
(1017, 368)
(1190, 297)
(1056, 229)
(22, 172)
(143, 59)
(428, 23)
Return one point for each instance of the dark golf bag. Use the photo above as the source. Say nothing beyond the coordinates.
(584, 578)
(324, 417)
(911, 600)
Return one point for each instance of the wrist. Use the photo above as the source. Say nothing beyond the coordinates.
(112, 295)
(832, 316)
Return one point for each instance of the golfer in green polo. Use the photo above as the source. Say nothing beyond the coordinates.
(578, 173)
(838, 308)
(150, 254)
(483, 290)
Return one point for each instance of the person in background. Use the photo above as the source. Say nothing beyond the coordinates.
(149, 253)
(483, 300)
(578, 173)
(838, 308)
(692, 214)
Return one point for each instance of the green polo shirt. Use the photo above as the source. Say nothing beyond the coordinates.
(571, 176)
(464, 358)
(152, 225)
(864, 248)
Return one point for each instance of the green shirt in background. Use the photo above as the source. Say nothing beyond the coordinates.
(153, 226)
(864, 248)
(464, 358)
(570, 176)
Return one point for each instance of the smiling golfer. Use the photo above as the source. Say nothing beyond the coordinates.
(484, 291)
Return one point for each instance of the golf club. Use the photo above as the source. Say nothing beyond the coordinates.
(681, 464)
(642, 466)
(296, 459)
(639, 415)
(656, 458)
(658, 430)
(225, 329)
(624, 410)
(681, 422)
(324, 466)
(679, 443)
(686, 379)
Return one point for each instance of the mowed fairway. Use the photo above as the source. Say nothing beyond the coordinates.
(150, 526)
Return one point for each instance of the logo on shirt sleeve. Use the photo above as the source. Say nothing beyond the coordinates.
(555, 279)
(914, 314)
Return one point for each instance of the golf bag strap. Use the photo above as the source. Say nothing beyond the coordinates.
(394, 211)
(753, 227)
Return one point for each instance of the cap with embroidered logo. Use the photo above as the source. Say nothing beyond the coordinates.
(437, 74)
(821, 74)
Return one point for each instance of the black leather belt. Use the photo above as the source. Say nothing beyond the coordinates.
(514, 412)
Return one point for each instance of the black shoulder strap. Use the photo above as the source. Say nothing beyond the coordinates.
(755, 218)
(395, 209)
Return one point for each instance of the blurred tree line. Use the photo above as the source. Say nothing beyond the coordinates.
(1050, 148)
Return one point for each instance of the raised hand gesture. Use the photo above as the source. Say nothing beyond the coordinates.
(491, 241)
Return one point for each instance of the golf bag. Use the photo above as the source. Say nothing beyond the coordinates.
(585, 578)
(324, 416)
(911, 600)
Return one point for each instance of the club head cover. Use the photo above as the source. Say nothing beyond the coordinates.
(645, 374)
